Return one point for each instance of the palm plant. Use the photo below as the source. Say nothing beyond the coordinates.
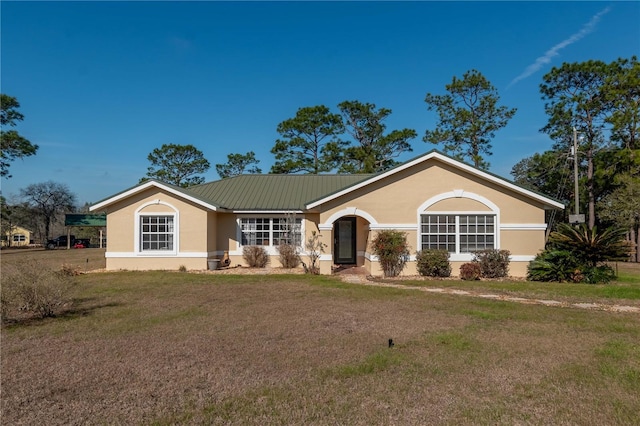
(591, 246)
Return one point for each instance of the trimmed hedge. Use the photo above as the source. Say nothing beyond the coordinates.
(433, 263)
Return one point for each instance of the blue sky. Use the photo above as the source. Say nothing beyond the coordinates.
(101, 84)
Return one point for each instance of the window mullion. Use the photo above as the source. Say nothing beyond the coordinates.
(457, 217)
(271, 231)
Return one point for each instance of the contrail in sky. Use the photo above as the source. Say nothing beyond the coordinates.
(546, 58)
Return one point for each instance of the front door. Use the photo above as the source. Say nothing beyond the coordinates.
(344, 249)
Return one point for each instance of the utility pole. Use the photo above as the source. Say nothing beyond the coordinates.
(577, 217)
(575, 172)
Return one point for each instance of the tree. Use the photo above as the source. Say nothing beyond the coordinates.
(622, 207)
(310, 142)
(6, 220)
(238, 164)
(548, 173)
(622, 92)
(12, 145)
(374, 151)
(48, 200)
(177, 165)
(575, 100)
(469, 117)
(18, 214)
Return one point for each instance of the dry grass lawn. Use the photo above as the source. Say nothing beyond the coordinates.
(176, 348)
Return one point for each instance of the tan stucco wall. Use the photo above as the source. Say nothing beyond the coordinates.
(156, 263)
(212, 231)
(194, 235)
(397, 200)
(228, 231)
(522, 242)
(458, 204)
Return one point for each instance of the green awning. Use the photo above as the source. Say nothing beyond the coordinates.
(85, 220)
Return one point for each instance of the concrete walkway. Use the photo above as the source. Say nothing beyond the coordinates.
(356, 278)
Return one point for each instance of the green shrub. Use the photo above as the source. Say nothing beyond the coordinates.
(564, 266)
(391, 248)
(470, 271)
(602, 274)
(433, 263)
(289, 257)
(553, 265)
(591, 246)
(494, 263)
(255, 256)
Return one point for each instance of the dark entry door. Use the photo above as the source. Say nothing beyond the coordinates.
(344, 250)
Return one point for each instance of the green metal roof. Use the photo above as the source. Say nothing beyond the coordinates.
(85, 220)
(285, 192)
(272, 192)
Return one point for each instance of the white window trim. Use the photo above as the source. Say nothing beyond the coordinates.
(137, 249)
(457, 215)
(458, 193)
(271, 249)
(347, 211)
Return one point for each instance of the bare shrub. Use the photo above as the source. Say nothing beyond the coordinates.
(494, 263)
(69, 270)
(289, 257)
(255, 256)
(470, 271)
(315, 248)
(5, 303)
(28, 287)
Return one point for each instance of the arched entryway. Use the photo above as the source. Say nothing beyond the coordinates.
(350, 232)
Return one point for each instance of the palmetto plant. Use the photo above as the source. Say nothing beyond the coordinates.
(591, 246)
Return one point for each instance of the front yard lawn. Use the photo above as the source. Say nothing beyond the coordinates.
(177, 348)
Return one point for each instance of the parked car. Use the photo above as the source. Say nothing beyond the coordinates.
(61, 241)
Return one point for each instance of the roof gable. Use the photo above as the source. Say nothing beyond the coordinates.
(437, 156)
(172, 189)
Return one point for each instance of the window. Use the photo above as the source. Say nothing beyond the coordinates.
(476, 233)
(156, 233)
(439, 232)
(19, 238)
(255, 232)
(270, 231)
(458, 233)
